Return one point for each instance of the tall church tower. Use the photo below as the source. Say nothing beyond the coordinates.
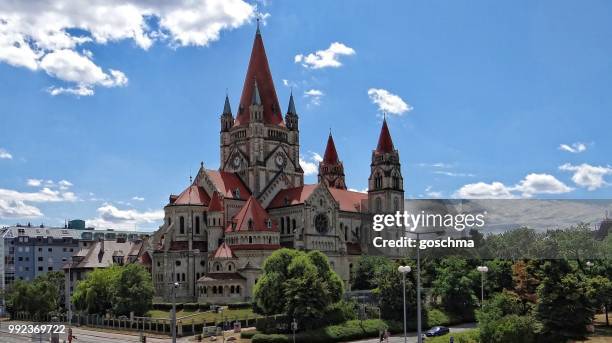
(385, 185)
(331, 170)
(258, 145)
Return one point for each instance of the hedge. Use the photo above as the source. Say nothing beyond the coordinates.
(248, 334)
(351, 330)
(236, 306)
(468, 336)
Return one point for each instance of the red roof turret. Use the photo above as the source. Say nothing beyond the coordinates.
(330, 156)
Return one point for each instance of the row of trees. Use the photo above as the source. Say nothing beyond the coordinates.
(117, 289)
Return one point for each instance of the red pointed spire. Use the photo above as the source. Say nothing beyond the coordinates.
(331, 156)
(385, 143)
(259, 71)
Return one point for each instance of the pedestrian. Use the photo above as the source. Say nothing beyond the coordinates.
(387, 336)
(452, 339)
(70, 336)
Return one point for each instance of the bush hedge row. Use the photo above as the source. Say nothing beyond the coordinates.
(351, 330)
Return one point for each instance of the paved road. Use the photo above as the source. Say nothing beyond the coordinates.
(82, 335)
(412, 336)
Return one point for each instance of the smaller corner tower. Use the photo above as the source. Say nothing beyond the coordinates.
(386, 184)
(331, 170)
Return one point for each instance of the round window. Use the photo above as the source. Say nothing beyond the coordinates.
(321, 223)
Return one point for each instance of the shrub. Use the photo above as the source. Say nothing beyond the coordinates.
(236, 306)
(204, 307)
(510, 329)
(248, 334)
(469, 336)
(263, 338)
(437, 317)
(270, 325)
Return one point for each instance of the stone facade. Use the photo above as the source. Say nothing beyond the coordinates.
(220, 229)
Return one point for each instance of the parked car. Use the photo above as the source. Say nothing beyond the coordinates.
(437, 331)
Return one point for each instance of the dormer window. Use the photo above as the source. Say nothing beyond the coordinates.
(269, 223)
(237, 193)
(250, 224)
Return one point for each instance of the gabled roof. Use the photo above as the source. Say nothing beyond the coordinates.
(215, 204)
(227, 183)
(224, 251)
(385, 143)
(330, 156)
(259, 71)
(252, 217)
(193, 195)
(349, 201)
(292, 196)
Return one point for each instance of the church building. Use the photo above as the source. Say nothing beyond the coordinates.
(219, 230)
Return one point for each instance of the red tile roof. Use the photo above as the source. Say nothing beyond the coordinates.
(259, 71)
(385, 143)
(252, 217)
(192, 195)
(215, 203)
(331, 155)
(227, 183)
(224, 251)
(292, 196)
(349, 201)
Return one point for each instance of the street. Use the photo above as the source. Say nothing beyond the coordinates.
(412, 336)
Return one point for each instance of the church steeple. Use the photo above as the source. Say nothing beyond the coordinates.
(291, 118)
(331, 170)
(227, 119)
(386, 184)
(259, 70)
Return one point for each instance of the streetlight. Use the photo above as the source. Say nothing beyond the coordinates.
(173, 319)
(483, 270)
(404, 270)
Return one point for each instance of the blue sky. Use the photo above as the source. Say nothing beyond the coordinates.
(489, 92)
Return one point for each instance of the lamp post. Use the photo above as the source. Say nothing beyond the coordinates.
(483, 270)
(404, 270)
(175, 285)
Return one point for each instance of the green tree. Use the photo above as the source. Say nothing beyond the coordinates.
(563, 308)
(132, 291)
(503, 320)
(365, 273)
(38, 298)
(94, 293)
(454, 285)
(389, 291)
(301, 285)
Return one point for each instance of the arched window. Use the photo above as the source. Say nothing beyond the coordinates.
(238, 289)
(214, 289)
(269, 223)
(378, 181)
(218, 267)
(346, 231)
(293, 222)
(182, 225)
(250, 240)
(197, 225)
(183, 277)
(250, 223)
(232, 289)
(395, 204)
(396, 182)
(229, 267)
(378, 204)
(282, 226)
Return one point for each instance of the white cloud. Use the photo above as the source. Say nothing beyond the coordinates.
(365, 190)
(531, 185)
(15, 204)
(64, 184)
(35, 182)
(314, 95)
(481, 190)
(540, 184)
(46, 34)
(311, 165)
(574, 148)
(325, 58)
(586, 175)
(453, 174)
(137, 198)
(109, 216)
(388, 102)
(5, 155)
(433, 194)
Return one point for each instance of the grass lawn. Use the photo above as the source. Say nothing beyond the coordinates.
(207, 316)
